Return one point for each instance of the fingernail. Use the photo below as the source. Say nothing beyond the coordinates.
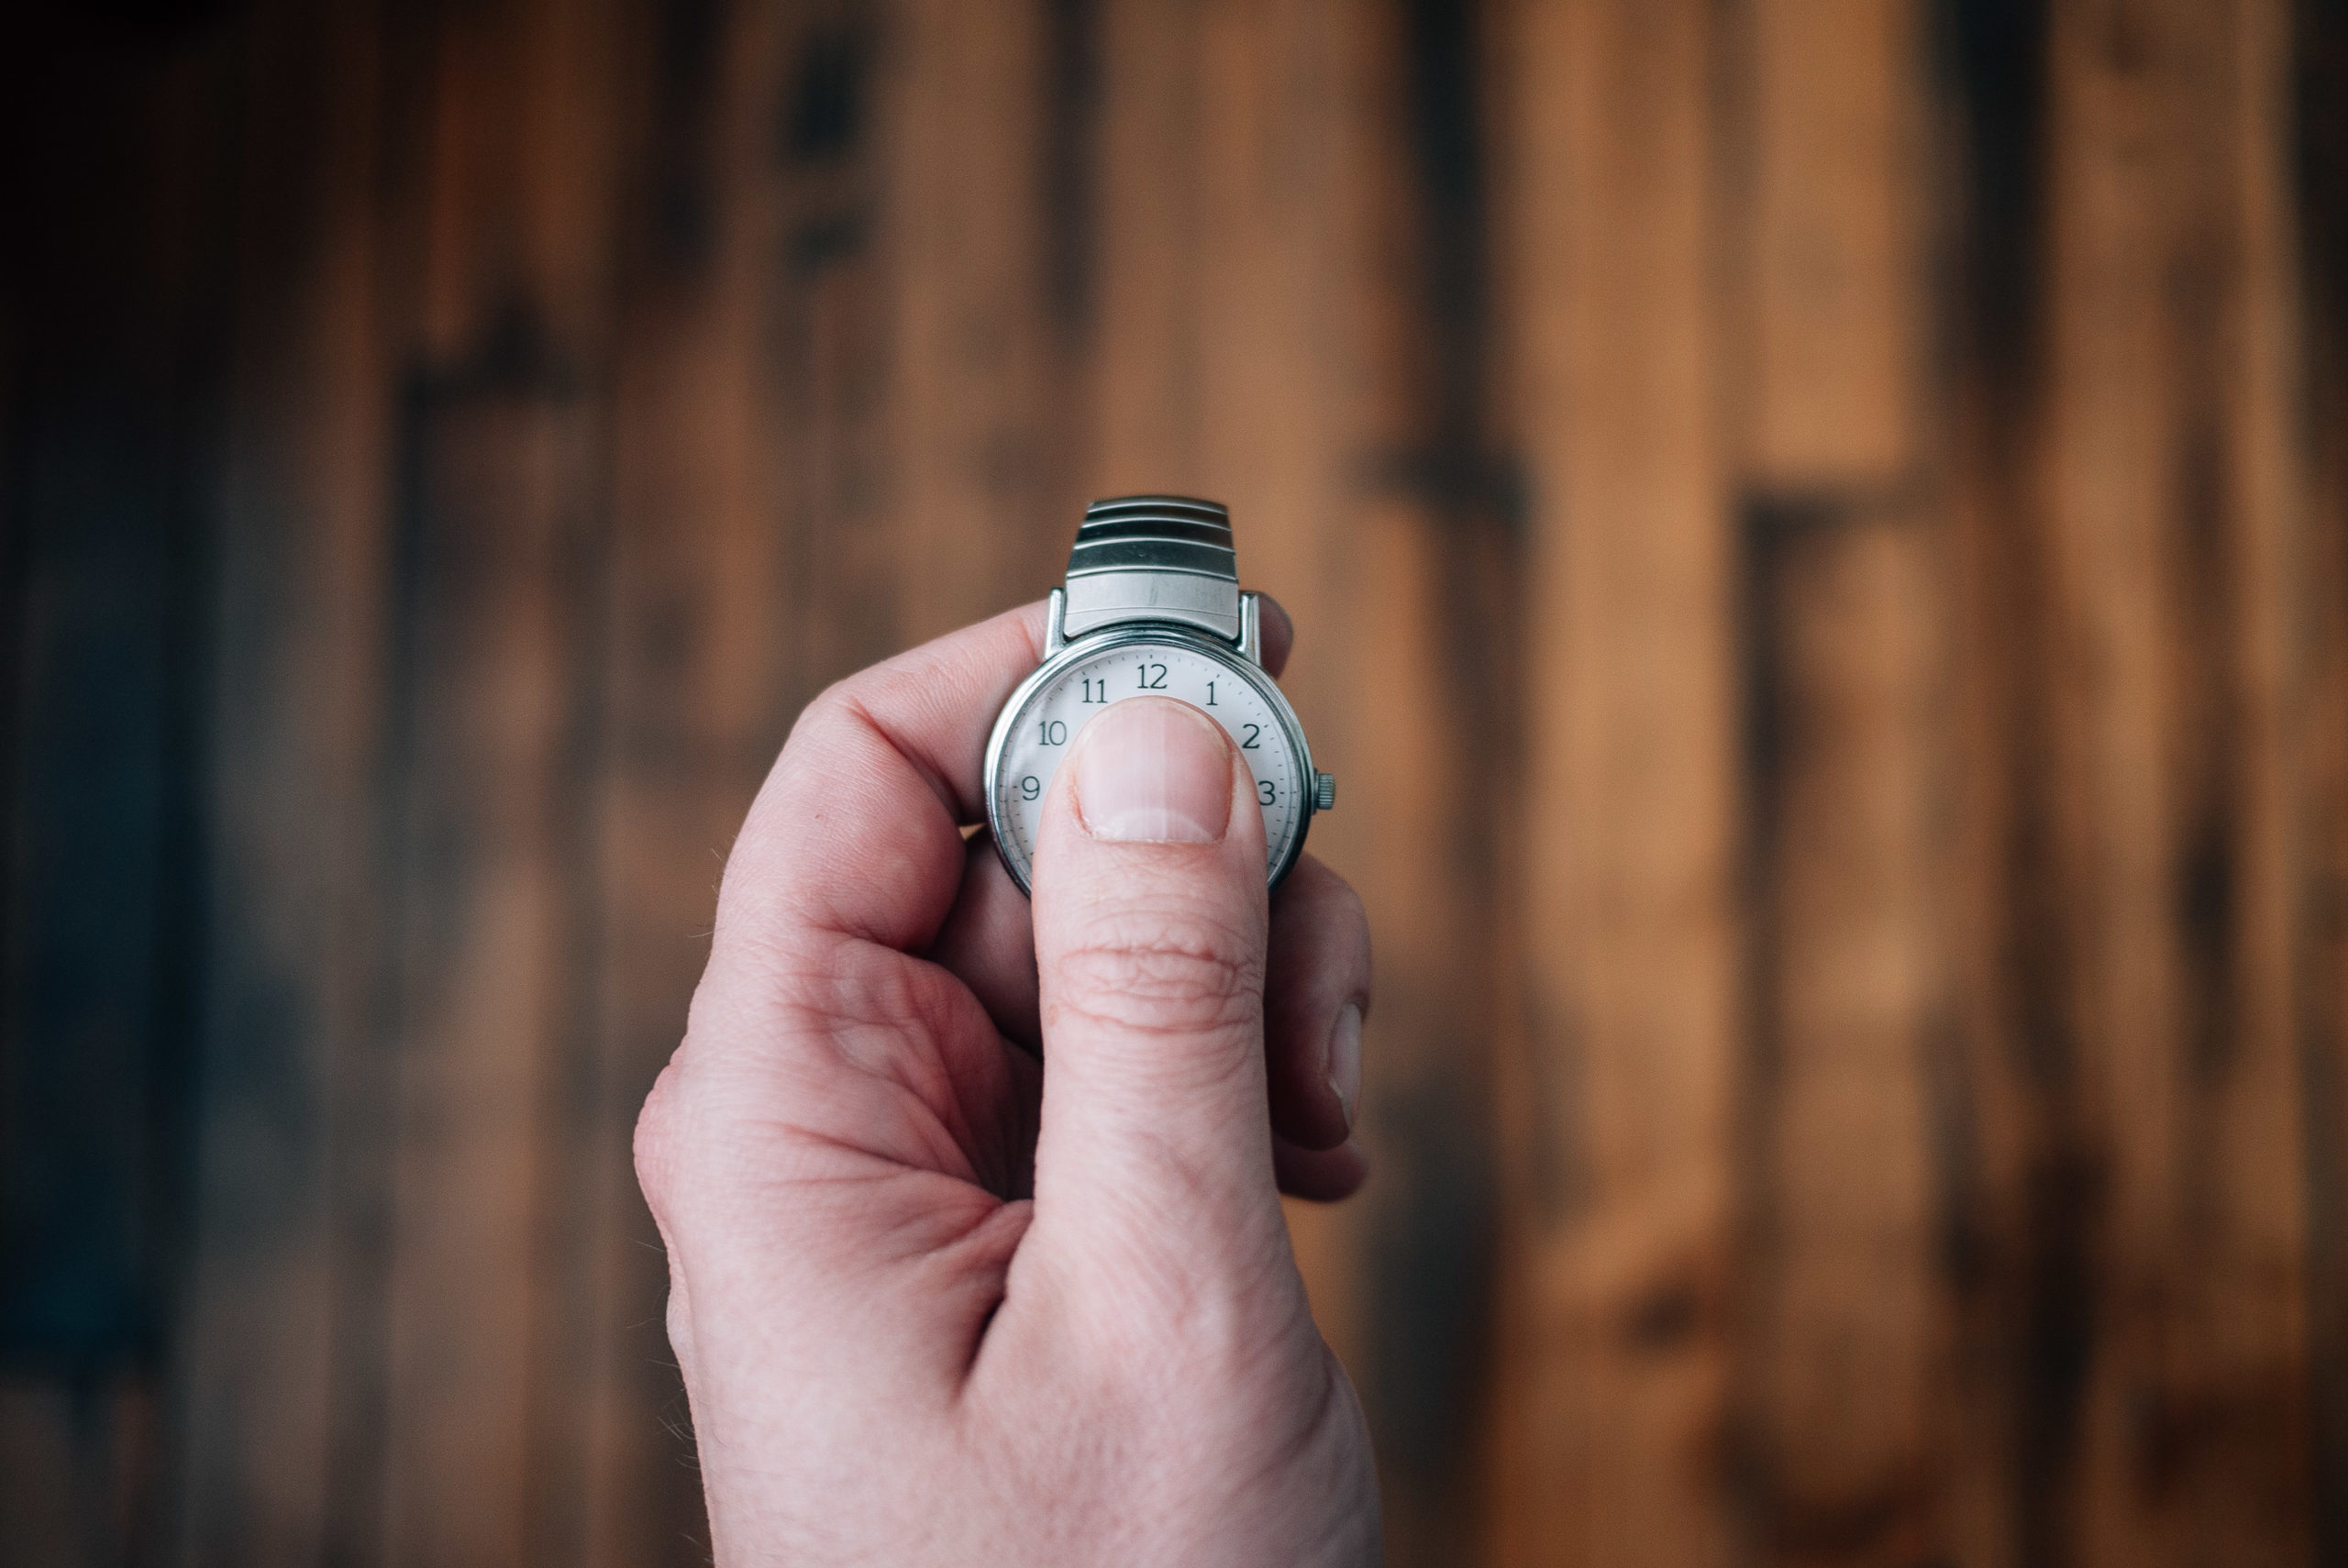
(1345, 1059)
(1154, 770)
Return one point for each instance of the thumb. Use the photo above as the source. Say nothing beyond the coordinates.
(1151, 922)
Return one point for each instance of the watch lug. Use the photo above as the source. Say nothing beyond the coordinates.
(1251, 630)
(1055, 622)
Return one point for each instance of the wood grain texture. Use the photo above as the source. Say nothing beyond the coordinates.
(2167, 517)
(982, 474)
(1631, 957)
(694, 667)
(497, 559)
(1833, 144)
(1818, 534)
(287, 1139)
(489, 840)
(2012, 1196)
(1848, 1449)
(1420, 547)
(110, 381)
(1849, 671)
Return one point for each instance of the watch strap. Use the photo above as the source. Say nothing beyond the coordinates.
(1154, 558)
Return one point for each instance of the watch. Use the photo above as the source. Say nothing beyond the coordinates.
(1152, 608)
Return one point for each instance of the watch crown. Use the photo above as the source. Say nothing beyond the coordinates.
(1324, 792)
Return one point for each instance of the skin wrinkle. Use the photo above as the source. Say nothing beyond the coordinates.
(988, 944)
(892, 1018)
(957, 808)
(921, 1141)
(1177, 939)
(888, 875)
(1178, 1286)
(1120, 1416)
(1121, 1423)
(1162, 1003)
(1306, 982)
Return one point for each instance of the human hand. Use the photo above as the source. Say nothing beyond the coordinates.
(936, 1301)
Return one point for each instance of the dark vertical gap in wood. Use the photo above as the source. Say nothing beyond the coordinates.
(515, 401)
(568, 1218)
(1433, 1254)
(366, 1152)
(1766, 533)
(1977, 273)
(364, 1148)
(668, 764)
(830, 354)
(1998, 57)
(264, 1035)
(678, 230)
(1765, 526)
(2203, 572)
(185, 938)
(669, 251)
(1071, 146)
(1445, 45)
(2320, 619)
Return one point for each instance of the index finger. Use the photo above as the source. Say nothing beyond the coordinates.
(857, 830)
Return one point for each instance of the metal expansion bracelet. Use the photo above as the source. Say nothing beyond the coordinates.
(1156, 557)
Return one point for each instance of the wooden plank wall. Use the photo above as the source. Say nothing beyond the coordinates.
(1820, 535)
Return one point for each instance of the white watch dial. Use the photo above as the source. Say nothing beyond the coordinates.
(1054, 714)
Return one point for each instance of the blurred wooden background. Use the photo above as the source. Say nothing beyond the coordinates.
(1820, 529)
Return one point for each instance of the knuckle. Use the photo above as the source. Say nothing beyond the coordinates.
(1354, 918)
(658, 1140)
(1153, 974)
(834, 705)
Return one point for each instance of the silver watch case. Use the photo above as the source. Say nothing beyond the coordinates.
(1244, 658)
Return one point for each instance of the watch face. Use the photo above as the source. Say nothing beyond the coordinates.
(1045, 718)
